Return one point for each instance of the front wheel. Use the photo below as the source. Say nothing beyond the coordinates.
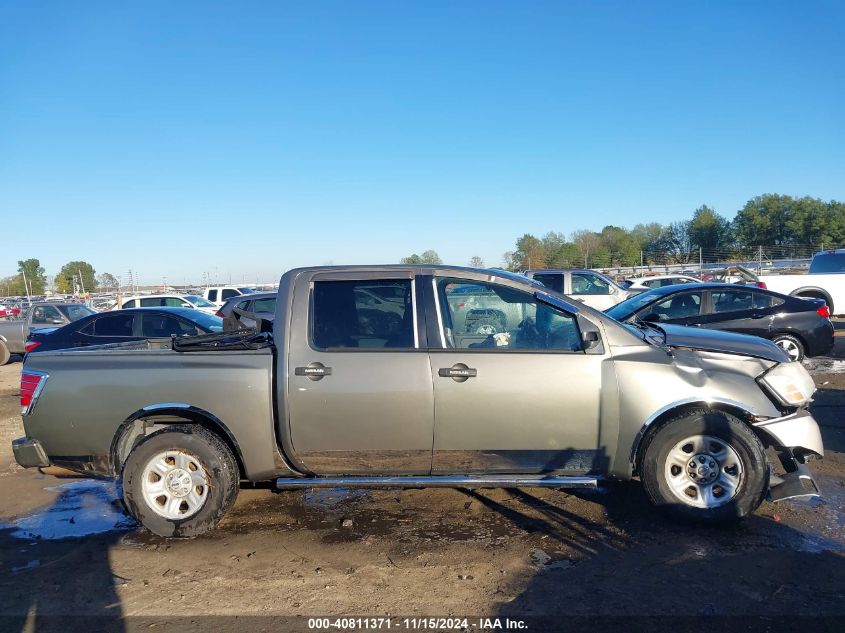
(706, 466)
(179, 482)
(5, 355)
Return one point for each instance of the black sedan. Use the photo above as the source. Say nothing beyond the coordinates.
(121, 326)
(801, 327)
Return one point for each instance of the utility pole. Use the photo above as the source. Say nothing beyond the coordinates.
(700, 260)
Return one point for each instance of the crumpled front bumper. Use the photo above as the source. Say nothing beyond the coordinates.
(29, 453)
(797, 439)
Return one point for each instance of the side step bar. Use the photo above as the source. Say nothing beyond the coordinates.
(444, 481)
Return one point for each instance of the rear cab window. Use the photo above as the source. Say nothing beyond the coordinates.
(828, 263)
(349, 315)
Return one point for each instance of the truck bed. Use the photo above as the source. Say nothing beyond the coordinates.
(98, 390)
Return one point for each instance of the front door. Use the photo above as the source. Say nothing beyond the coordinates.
(360, 397)
(515, 390)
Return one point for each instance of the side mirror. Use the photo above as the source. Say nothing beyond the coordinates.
(56, 321)
(652, 317)
(186, 305)
(590, 338)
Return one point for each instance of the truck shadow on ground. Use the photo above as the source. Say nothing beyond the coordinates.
(55, 564)
(662, 567)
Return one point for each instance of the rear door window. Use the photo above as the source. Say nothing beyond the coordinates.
(739, 299)
(265, 305)
(551, 280)
(114, 325)
(343, 317)
(163, 325)
(152, 302)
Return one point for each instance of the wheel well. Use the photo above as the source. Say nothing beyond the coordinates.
(794, 335)
(142, 424)
(814, 293)
(658, 422)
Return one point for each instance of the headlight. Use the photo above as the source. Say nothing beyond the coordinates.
(790, 383)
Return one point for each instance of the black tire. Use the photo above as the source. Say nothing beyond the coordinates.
(221, 471)
(793, 342)
(657, 445)
(5, 355)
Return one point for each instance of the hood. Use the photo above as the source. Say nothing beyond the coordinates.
(724, 342)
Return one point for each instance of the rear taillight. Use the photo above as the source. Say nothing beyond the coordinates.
(220, 314)
(31, 346)
(824, 311)
(760, 284)
(32, 382)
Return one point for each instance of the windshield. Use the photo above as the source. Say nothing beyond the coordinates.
(76, 312)
(625, 309)
(208, 321)
(199, 301)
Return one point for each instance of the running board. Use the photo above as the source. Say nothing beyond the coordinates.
(445, 481)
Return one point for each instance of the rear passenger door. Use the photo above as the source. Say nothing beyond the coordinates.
(116, 327)
(359, 388)
(739, 309)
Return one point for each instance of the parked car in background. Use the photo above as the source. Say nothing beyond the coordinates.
(9, 311)
(167, 301)
(587, 286)
(564, 397)
(657, 281)
(824, 280)
(801, 327)
(124, 325)
(218, 295)
(13, 333)
(238, 311)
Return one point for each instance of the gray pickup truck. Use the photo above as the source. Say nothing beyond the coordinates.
(40, 315)
(410, 392)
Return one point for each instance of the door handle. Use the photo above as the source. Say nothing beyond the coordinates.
(458, 372)
(314, 371)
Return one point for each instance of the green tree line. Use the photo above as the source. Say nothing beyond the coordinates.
(784, 225)
(74, 276)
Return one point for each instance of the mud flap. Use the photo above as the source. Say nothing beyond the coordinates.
(799, 483)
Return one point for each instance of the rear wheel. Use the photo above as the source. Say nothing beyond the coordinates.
(704, 465)
(790, 344)
(5, 355)
(180, 481)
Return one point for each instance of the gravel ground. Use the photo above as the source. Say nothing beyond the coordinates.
(67, 549)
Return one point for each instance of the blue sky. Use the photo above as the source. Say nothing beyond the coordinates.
(250, 137)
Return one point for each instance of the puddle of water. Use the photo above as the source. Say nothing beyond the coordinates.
(825, 366)
(82, 508)
(30, 565)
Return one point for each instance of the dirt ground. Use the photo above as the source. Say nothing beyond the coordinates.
(66, 549)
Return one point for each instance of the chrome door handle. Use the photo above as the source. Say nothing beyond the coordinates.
(458, 372)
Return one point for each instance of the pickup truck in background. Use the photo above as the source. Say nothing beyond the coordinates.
(412, 392)
(824, 280)
(586, 286)
(13, 334)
